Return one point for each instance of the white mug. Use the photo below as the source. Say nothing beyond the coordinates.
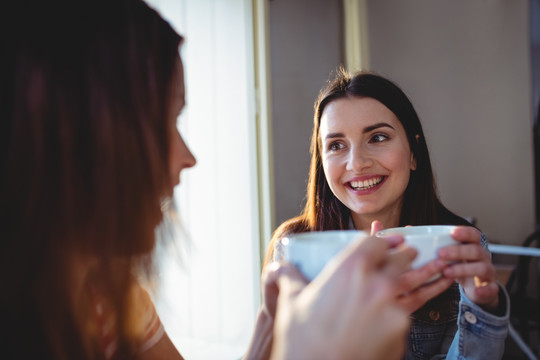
(426, 239)
(311, 251)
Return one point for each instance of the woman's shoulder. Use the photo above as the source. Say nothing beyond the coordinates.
(292, 226)
(144, 327)
(446, 217)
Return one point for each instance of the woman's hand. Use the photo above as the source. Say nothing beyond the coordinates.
(472, 267)
(348, 311)
(270, 288)
(414, 288)
(411, 291)
(261, 342)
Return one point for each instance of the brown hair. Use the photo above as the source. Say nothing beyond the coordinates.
(84, 159)
(323, 211)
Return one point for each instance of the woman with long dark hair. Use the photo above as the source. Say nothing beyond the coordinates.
(370, 168)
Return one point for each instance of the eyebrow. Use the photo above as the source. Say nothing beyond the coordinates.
(366, 130)
(377, 126)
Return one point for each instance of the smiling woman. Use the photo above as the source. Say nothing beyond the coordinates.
(370, 167)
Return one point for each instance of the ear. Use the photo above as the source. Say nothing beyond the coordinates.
(413, 162)
(413, 159)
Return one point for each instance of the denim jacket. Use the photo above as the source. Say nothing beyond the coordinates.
(451, 326)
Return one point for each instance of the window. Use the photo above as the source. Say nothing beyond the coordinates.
(210, 301)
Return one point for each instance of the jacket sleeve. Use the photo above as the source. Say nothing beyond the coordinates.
(480, 335)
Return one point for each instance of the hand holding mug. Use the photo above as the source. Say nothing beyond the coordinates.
(472, 267)
(348, 310)
(423, 282)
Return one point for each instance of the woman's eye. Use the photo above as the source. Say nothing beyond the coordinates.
(378, 138)
(335, 146)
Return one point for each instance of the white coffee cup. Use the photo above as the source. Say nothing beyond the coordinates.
(311, 251)
(426, 239)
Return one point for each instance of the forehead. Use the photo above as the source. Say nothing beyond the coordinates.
(356, 111)
(178, 86)
(179, 76)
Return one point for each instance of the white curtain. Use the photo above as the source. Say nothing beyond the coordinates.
(211, 295)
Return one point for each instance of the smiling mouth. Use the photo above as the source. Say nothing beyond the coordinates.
(366, 184)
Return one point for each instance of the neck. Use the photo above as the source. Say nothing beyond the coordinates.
(388, 220)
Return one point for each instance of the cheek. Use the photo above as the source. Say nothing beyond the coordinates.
(175, 153)
(399, 161)
(332, 171)
(399, 155)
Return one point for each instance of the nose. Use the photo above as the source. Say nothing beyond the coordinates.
(187, 158)
(358, 159)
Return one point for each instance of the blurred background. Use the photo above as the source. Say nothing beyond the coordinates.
(253, 71)
(466, 65)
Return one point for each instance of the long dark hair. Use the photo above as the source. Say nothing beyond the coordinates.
(323, 211)
(84, 146)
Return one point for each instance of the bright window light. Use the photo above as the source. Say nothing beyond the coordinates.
(210, 299)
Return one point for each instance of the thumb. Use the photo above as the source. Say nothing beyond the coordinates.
(376, 226)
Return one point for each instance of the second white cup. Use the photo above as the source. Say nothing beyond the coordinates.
(426, 239)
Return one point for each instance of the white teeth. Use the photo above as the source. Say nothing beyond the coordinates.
(366, 184)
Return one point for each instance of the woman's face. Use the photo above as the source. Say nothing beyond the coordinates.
(366, 158)
(180, 156)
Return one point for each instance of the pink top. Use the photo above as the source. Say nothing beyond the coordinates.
(144, 325)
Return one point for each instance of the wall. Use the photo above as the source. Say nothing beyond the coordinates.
(305, 45)
(465, 65)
